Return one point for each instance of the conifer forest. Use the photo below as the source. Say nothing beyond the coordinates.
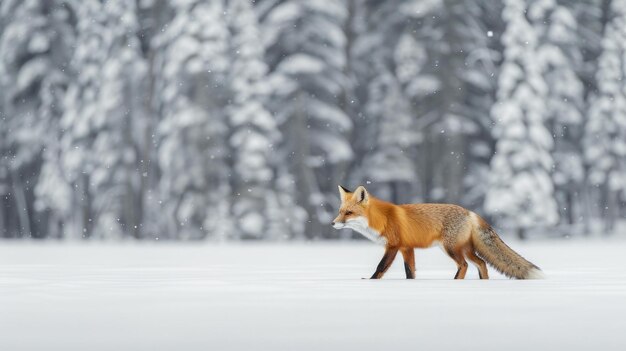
(237, 119)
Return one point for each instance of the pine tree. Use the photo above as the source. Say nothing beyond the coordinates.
(305, 46)
(591, 19)
(479, 26)
(103, 121)
(153, 17)
(382, 105)
(442, 56)
(399, 40)
(5, 184)
(116, 177)
(521, 191)
(36, 39)
(79, 114)
(192, 88)
(605, 131)
(559, 54)
(253, 131)
(389, 162)
(459, 42)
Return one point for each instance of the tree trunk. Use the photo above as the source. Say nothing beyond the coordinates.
(86, 221)
(21, 206)
(611, 211)
(569, 201)
(588, 212)
(149, 169)
(306, 183)
(3, 224)
(521, 233)
(453, 98)
(131, 205)
(395, 192)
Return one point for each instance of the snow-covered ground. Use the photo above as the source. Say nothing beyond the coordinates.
(303, 297)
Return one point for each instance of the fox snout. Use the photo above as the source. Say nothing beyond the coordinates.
(337, 225)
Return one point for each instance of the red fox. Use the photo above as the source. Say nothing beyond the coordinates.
(459, 232)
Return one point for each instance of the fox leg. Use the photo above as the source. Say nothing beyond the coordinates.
(457, 256)
(480, 264)
(385, 262)
(409, 262)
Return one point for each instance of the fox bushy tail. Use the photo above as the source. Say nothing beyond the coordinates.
(492, 249)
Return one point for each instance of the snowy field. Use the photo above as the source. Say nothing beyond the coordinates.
(303, 297)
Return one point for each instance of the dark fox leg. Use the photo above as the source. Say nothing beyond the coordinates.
(385, 262)
(457, 256)
(409, 262)
(480, 264)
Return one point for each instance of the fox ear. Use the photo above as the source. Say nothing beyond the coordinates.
(343, 193)
(361, 195)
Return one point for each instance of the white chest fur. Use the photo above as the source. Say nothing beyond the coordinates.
(360, 225)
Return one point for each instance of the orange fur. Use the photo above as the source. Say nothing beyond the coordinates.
(461, 233)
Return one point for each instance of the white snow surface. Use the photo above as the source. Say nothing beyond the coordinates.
(303, 297)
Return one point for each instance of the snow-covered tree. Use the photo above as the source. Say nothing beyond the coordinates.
(479, 26)
(389, 161)
(238, 118)
(305, 44)
(5, 183)
(445, 37)
(116, 177)
(442, 55)
(104, 120)
(521, 192)
(80, 110)
(36, 40)
(380, 59)
(253, 132)
(462, 56)
(192, 148)
(591, 19)
(559, 54)
(399, 39)
(605, 131)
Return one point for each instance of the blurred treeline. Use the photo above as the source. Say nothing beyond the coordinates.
(237, 119)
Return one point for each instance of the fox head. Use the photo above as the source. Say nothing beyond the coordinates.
(353, 207)
(353, 214)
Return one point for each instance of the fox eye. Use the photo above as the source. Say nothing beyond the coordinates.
(348, 213)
